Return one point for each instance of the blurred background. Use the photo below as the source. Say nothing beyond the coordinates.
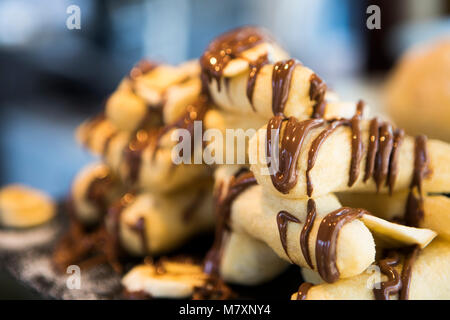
(52, 77)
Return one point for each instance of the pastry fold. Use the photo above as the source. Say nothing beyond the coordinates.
(436, 208)
(330, 172)
(429, 280)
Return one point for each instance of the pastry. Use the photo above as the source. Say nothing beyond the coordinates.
(153, 224)
(94, 189)
(324, 158)
(151, 88)
(417, 95)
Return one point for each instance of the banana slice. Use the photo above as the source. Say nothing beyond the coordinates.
(168, 279)
(23, 207)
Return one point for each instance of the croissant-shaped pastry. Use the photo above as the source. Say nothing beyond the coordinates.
(157, 223)
(317, 157)
(280, 223)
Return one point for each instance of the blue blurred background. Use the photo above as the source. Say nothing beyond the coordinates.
(52, 78)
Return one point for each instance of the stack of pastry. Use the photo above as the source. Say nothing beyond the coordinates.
(326, 184)
(319, 184)
(136, 202)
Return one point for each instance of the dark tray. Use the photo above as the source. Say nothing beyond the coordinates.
(26, 255)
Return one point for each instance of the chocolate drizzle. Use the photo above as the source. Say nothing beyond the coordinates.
(238, 184)
(255, 66)
(327, 240)
(226, 47)
(399, 135)
(284, 170)
(150, 138)
(414, 206)
(382, 153)
(407, 272)
(302, 292)
(283, 217)
(98, 190)
(317, 91)
(304, 235)
(140, 228)
(386, 142)
(134, 150)
(393, 284)
(396, 284)
(372, 149)
(281, 81)
(357, 147)
(314, 150)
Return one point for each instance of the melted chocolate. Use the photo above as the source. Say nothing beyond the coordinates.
(314, 150)
(304, 235)
(285, 178)
(283, 217)
(281, 82)
(327, 240)
(98, 190)
(397, 284)
(386, 142)
(141, 229)
(255, 66)
(238, 184)
(303, 290)
(317, 90)
(151, 137)
(399, 135)
(357, 145)
(414, 206)
(133, 152)
(394, 283)
(407, 272)
(226, 47)
(372, 149)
